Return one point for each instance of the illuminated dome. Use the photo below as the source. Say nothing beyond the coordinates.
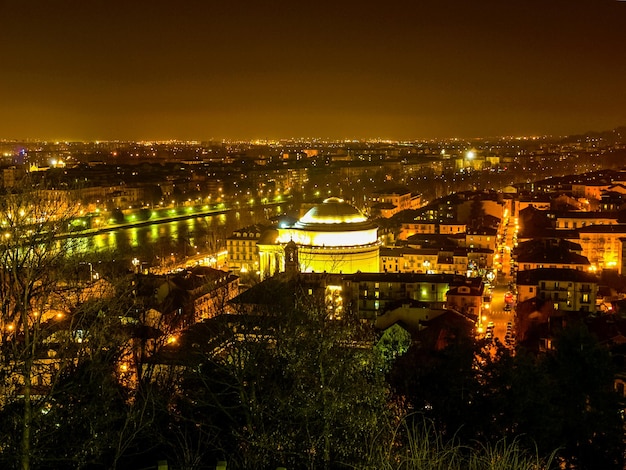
(334, 237)
(332, 211)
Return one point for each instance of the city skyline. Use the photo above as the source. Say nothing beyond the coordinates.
(358, 70)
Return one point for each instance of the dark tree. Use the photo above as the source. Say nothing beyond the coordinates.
(587, 406)
(297, 388)
(516, 400)
(476, 214)
(442, 385)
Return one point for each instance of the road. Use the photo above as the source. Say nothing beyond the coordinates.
(496, 312)
(507, 239)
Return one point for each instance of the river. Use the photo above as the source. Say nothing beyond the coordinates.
(171, 242)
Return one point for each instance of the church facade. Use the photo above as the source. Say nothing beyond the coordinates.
(332, 237)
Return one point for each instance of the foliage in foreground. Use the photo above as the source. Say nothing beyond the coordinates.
(561, 399)
(418, 446)
(292, 387)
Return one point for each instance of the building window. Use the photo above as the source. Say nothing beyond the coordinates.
(585, 299)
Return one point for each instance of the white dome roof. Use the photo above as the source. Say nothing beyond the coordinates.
(332, 211)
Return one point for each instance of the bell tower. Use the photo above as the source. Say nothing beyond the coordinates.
(292, 265)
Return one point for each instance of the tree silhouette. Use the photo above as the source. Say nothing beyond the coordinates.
(35, 290)
(295, 387)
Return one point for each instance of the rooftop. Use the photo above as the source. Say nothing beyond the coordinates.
(532, 277)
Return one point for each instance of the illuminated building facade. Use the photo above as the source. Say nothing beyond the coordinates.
(467, 299)
(332, 237)
(602, 246)
(424, 260)
(452, 228)
(482, 238)
(566, 289)
(386, 203)
(409, 229)
(370, 293)
(574, 220)
(242, 249)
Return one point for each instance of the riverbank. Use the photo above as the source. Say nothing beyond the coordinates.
(133, 218)
(142, 223)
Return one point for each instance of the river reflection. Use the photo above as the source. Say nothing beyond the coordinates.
(179, 238)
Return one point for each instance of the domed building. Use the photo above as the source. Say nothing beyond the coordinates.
(332, 237)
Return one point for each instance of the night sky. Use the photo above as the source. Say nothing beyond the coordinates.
(203, 69)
